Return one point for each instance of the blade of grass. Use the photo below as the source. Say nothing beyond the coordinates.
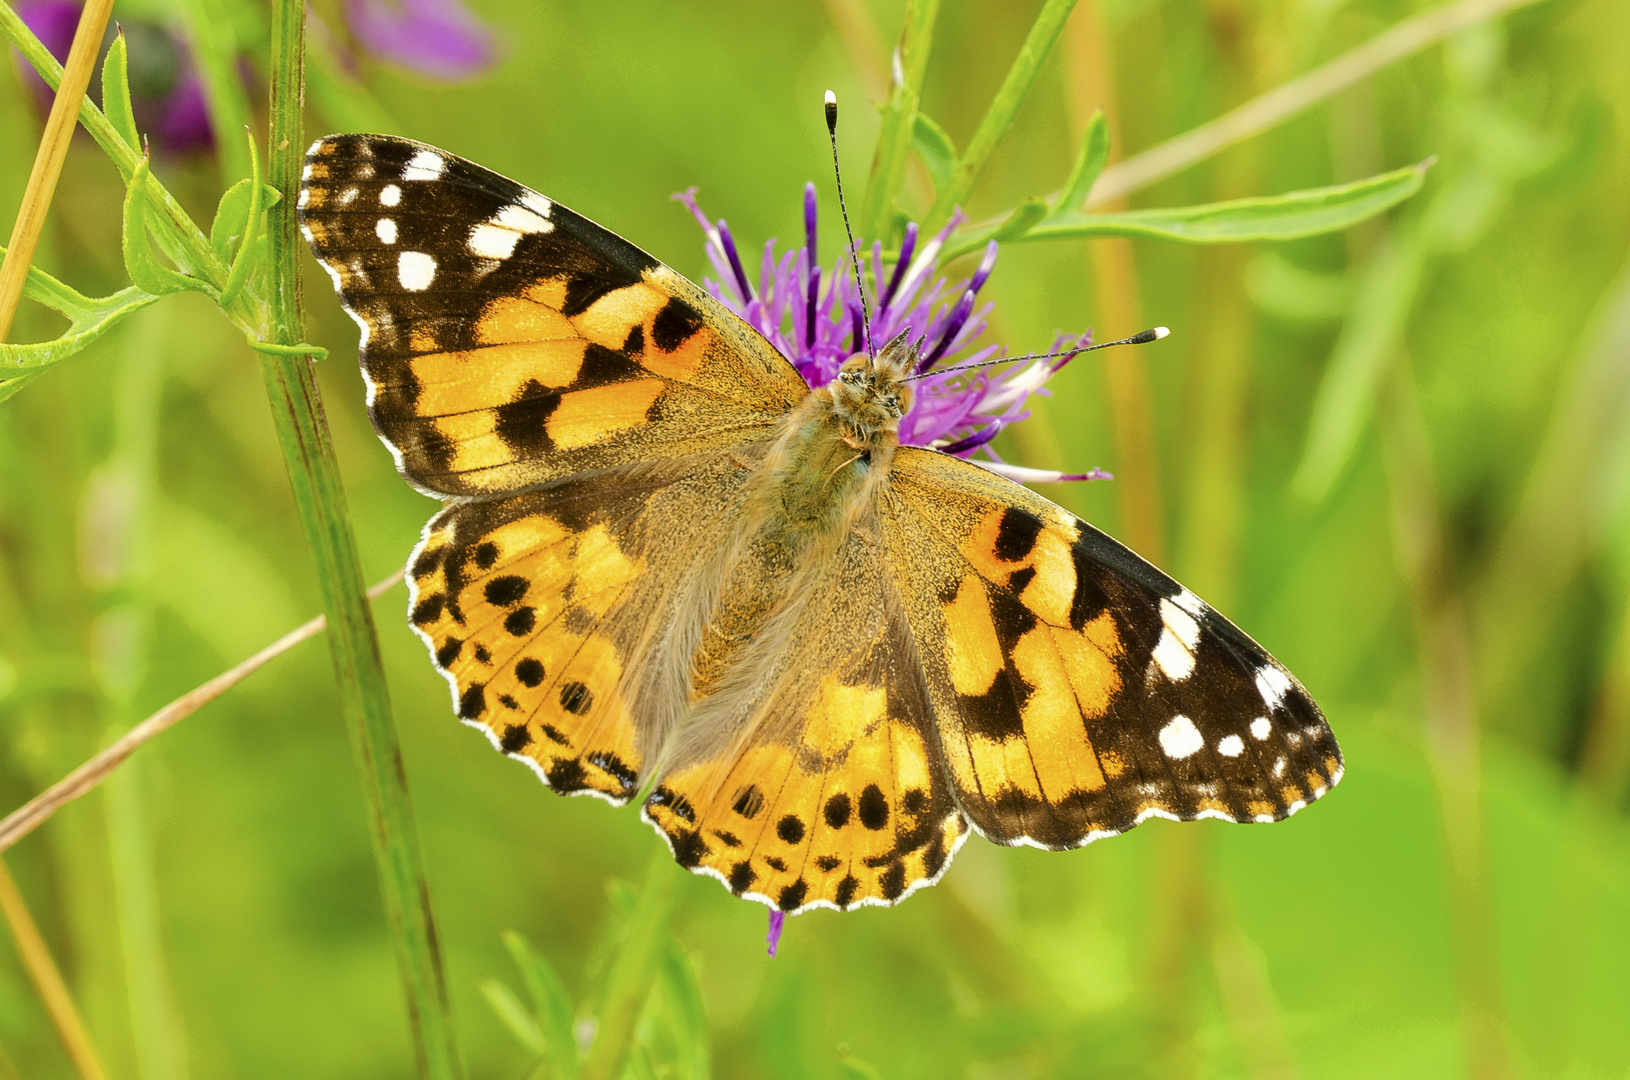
(634, 970)
(43, 970)
(42, 180)
(38, 810)
(1004, 107)
(308, 452)
(209, 30)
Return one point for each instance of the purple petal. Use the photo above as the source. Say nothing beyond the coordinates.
(183, 121)
(809, 306)
(437, 37)
(809, 224)
(777, 920)
(986, 264)
(728, 242)
(907, 246)
(959, 315)
(974, 441)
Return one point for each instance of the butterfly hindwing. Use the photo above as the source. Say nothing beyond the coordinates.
(837, 796)
(508, 341)
(1077, 689)
(537, 608)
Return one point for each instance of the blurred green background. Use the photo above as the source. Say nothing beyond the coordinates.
(1398, 457)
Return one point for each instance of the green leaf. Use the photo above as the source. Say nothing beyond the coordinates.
(898, 121)
(1277, 217)
(1026, 216)
(514, 1015)
(141, 263)
(116, 91)
(551, 1007)
(241, 263)
(935, 148)
(96, 319)
(1089, 162)
(686, 1012)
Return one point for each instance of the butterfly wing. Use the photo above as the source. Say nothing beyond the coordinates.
(1076, 689)
(836, 795)
(537, 608)
(508, 341)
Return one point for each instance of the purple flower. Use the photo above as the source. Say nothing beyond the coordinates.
(165, 92)
(437, 37)
(814, 318)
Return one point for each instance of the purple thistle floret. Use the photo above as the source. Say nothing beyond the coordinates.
(437, 37)
(166, 94)
(819, 328)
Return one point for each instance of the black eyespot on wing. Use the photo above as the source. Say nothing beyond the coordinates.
(1016, 535)
(486, 554)
(749, 801)
(449, 651)
(792, 895)
(837, 810)
(515, 738)
(790, 829)
(674, 325)
(506, 590)
(473, 702)
(874, 808)
(520, 621)
(576, 698)
(529, 671)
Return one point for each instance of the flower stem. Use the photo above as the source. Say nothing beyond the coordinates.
(1004, 107)
(634, 971)
(308, 452)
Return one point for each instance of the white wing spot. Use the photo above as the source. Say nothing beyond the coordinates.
(1299, 804)
(305, 197)
(1180, 738)
(1318, 792)
(386, 231)
(490, 241)
(1231, 746)
(1263, 819)
(521, 219)
(425, 165)
(305, 173)
(1279, 768)
(1261, 728)
(415, 270)
(1174, 652)
(390, 195)
(1272, 684)
(537, 202)
(1189, 602)
(348, 196)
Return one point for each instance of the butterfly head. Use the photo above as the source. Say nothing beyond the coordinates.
(869, 395)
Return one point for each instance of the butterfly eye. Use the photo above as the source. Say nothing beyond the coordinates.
(891, 402)
(849, 378)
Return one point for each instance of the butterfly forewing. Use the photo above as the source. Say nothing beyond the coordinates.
(508, 341)
(1078, 690)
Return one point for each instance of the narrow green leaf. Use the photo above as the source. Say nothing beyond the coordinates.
(1089, 162)
(686, 1012)
(1004, 107)
(45, 289)
(1026, 216)
(8, 387)
(116, 91)
(633, 970)
(894, 136)
(141, 263)
(935, 148)
(551, 1006)
(96, 318)
(514, 1015)
(1278, 217)
(251, 228)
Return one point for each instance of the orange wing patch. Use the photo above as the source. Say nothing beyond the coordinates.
(854, 811)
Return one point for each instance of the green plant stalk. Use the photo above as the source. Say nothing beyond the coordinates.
(308, 451)
(1004, 107)
(634, 970)
(899, 120)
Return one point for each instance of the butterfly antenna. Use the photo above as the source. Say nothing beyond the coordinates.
(854, 252)
(1153, 334)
